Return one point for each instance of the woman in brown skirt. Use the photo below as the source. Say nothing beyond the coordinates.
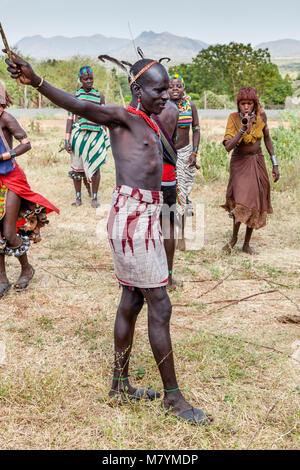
(248, 191)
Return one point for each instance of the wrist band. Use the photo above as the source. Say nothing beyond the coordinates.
(24, 140)
(5, 156)
(195, 149)
(274, 160)
(194, 153)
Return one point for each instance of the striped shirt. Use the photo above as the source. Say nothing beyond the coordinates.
(92, 96)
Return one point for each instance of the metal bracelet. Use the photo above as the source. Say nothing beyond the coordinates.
(274, 160)
(241, 131)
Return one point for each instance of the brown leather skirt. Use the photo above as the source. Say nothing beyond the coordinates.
(248, 191)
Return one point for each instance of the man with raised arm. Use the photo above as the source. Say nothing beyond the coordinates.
(133, 225)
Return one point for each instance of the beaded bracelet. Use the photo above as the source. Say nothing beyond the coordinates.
(194, 153)
(24, 140)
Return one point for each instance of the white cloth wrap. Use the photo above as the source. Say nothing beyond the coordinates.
(136, 239)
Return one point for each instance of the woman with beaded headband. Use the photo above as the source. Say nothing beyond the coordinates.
(22, 211)
(86, 141)
(187, 153)
(248, 192)
(133, 224)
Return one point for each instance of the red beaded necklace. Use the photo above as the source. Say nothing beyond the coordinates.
(146, 118)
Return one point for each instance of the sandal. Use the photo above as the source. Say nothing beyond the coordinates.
(4, 288)
(195, 416)
(138, 395)
(22, 284)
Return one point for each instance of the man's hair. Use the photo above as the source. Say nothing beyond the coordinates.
(135, 68)
(248, 93)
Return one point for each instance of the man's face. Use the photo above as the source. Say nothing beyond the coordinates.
(246, 106)
(154, 90)
(87, 81)
(176, 89)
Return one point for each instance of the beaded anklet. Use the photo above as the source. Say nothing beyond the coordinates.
(121, 378)
(174, 390)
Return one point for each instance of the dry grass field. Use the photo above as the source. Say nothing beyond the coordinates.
(235, 328)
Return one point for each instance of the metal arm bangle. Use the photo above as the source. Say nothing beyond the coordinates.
(274, 160)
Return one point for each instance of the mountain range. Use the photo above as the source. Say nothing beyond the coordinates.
(153, 44)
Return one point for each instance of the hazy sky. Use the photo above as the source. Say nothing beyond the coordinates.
(210, 21)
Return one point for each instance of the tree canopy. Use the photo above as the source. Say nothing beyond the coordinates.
(224, 68)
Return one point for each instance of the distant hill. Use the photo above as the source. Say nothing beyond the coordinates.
(154, 45)
(282, 47)
(165, 44)
(61, 47)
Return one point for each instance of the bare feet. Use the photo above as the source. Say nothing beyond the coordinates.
(77, 202)
(95, 203)
(228, 247)
(26, 275)
(247, 249)
(181, 244)
(173, 284)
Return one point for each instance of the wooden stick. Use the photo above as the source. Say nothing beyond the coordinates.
(234, 302)
(59, 277)
(8, 51)
(216, 285)
(257, 433)
(284, 295)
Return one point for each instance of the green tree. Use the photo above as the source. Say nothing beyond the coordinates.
(224, 68)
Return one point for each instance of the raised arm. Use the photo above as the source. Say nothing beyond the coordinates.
(19, 134)
(106, 115)
(270, 148)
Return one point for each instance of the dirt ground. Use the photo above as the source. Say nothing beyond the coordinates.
(235, 327)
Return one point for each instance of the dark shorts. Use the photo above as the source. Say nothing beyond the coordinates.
(170, 198)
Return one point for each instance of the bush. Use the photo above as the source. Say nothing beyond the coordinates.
(286, 140)
(214, 101)
(214, 160)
